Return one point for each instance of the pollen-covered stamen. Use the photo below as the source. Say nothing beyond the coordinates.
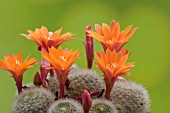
(63, 58)
(17, 62)
(110, 41)
(111, 65)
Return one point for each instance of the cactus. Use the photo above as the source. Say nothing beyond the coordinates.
(83, 79)
(102, 106)
(129, 97)
(53, 84)
(34, 100)
(65, 106)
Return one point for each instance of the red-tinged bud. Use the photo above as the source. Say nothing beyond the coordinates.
(86, 101)
(89, 46)
(37, 79)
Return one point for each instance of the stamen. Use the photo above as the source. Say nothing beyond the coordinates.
(112, 65)
(63, 58)
(17, 62)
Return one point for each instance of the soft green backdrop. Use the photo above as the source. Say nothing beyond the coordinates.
(149, 45)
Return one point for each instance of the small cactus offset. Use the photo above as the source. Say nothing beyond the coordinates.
(66, 106)
(33, 100)
(84, 79)
(102, 106)
(129, 97)
(60, 86)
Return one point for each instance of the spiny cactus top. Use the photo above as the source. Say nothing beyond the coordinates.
(102, 106)
(34, 100)
(130, 97)
(46, 39)
(14, 64)
(110, 36)
(66, 106)
(84, 79)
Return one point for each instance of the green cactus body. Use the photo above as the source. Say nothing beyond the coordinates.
(53, 84)
(102, 106)
(66, 106)
(83, 79)
(129, 97)
(34, 100)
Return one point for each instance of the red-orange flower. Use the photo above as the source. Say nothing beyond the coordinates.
(61, 61)
(110, 36)
(14, 64)
(112, 64)
(46, 39)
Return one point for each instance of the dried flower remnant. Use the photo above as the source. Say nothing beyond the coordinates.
(112, 64)
(14, 64)
(61, 61)
(46, 39)
(110, 36)
(89, 46)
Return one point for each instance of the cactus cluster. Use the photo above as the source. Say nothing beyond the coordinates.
(60, 86)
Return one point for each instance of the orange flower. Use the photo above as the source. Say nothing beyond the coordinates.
(112, 64)
(61, 61)
(13, 64)
(110, 36)
(45, 39)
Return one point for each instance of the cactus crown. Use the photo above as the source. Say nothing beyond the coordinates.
(83, 79)
(66, 106)
(35, 100)
(130, 97)
(102, 106)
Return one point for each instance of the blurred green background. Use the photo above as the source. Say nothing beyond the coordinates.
(149, 45)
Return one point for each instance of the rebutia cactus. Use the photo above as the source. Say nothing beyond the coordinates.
(53, 84)
(66, 106)
(122, 96)
(34, 100)
(129, 97)
(102, 106)
(83, 79)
